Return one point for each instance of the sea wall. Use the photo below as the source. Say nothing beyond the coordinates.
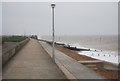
(70, 67)
(11, 51)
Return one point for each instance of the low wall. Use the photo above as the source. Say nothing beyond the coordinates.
(70, 67)
(9, 52)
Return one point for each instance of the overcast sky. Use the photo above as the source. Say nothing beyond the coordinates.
(80, 18)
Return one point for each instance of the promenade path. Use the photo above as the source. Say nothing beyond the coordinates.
(32, 62)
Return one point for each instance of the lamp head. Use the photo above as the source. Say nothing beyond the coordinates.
(52, 5)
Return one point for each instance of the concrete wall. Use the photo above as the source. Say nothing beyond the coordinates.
(9, 52)
(70, 67)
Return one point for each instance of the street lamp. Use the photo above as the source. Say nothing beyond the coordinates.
(53, 51)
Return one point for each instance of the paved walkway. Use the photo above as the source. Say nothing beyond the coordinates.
(32, 62)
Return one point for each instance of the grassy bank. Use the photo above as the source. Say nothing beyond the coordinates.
(13, 38)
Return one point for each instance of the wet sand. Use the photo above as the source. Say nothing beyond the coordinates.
(109, 74)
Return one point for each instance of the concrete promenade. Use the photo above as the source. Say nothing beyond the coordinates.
(32, 62)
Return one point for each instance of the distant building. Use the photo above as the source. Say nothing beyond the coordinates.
(34, 37)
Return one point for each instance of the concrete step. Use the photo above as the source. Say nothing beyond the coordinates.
(94, 67)
(92, 64)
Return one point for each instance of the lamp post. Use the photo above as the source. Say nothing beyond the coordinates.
(53, 51)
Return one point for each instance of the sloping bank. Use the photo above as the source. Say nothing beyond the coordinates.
(11, 51)
(71, 68)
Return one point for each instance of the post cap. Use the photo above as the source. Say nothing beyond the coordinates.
(53, 5)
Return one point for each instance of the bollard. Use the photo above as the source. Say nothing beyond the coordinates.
(98, 54)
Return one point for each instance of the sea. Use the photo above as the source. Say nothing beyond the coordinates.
(108, 44)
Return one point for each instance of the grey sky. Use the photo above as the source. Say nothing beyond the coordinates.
(70, 18)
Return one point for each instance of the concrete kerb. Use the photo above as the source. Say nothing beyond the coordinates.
(71, 68)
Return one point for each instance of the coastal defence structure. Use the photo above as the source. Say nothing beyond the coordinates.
(70, 67)
(10, 52)
(33, 61)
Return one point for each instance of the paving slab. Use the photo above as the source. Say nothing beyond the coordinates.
(32, 62)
